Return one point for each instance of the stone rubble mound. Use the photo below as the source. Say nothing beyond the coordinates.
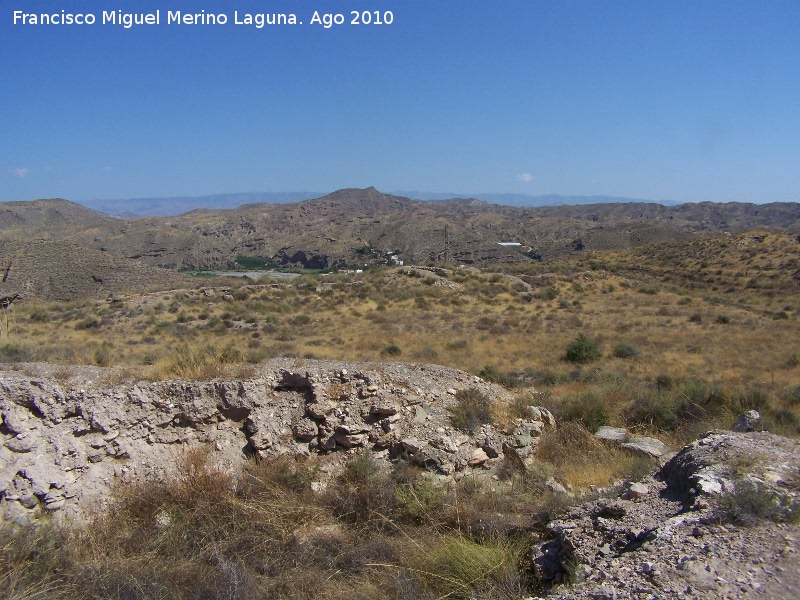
(64, 445)
(665, 537)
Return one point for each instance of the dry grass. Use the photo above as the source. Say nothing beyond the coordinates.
(263, 533)
(738, 331)
(488, 323)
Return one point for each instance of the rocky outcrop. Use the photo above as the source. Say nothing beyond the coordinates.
(64, 444)
(669, 536)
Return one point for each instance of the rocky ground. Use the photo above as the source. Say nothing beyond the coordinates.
(714, 521)
(670, 536)
(68, 437)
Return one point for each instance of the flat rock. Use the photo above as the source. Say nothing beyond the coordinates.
(612, 434)
(646, 445)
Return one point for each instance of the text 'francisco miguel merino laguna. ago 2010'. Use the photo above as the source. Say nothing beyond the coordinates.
(177, 17)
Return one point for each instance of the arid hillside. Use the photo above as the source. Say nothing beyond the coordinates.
(356, 226)
(62, 270)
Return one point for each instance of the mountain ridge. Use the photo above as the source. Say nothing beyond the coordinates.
(352, 227)
(174, 206)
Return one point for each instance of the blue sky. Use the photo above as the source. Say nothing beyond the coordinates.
(687, 101)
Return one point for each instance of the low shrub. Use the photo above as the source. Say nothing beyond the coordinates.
(420, 501)
(656, 411)
(700, 401)
(494, 375)
(752, 501)
(391, 350)
(87, 323)
(664, 382)
(40, 315)
(582, 349)
(103, 355)
(471, 411)
(793, 395)
(546, 293)
(363, 494)
(625, 349)
(585, 408)
(16, 352)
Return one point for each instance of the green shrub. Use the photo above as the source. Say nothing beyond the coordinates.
(546, 293)
(300, 320)
(363, 494)
(230, 355)
(103, 355)
(787, 419)
(656, 411)
(753, 399)
(752, 501)
(40, 315)
(428, 353)
(582, 349)
(457, 345)
(149, 358)
(88, 323)
(472, 410)
(793, 395)
(391, 350)
(546, 377)
(664, 382)
(521, 404)
(625, 349)
(585, 408)
(723, 319)
(793, 360)
(419, 501)
(507, 380)
(16, 352)
(696, 318)
(699, 401)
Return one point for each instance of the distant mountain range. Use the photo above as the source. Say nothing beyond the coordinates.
(352, 227)
(526, 200)
(162, 207)
(166, 207)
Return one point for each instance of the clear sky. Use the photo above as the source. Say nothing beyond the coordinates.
(687, 101)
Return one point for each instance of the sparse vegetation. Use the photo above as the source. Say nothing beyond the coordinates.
(472, 411)
(400, 533)
(751, 501)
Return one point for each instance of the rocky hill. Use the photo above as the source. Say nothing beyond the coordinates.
(62, 270)
(47, 217)
(349, 226)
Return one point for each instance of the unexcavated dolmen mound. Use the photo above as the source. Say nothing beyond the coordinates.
(63, 445)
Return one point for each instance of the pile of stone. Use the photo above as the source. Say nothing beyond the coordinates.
(66, 443)
(668, 537)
